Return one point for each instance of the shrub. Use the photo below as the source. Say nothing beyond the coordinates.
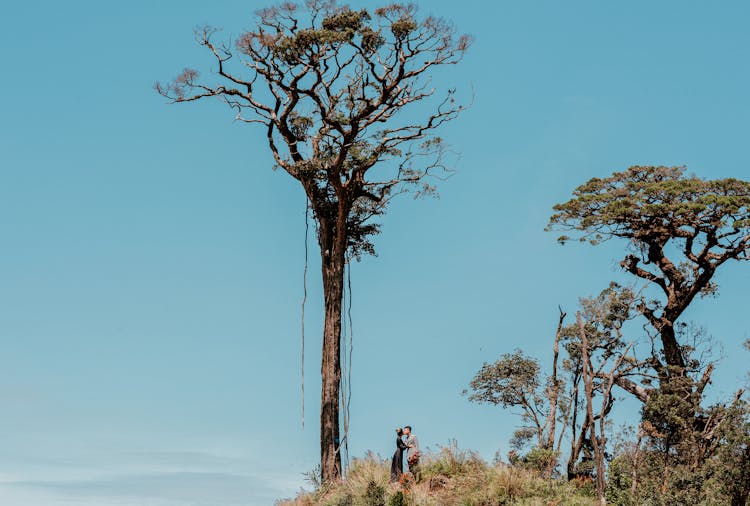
(374, 495)
(397, 499)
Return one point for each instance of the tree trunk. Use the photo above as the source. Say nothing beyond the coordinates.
(636, 458)
(553, 393)
(672, 351)
(576, 442)
(588, 383)
(554, 387)
(332, 238)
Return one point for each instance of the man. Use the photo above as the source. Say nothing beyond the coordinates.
(412, 452)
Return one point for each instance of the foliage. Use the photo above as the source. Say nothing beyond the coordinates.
(645, 472)
(374, 495)
(732, 461)
(451, 477)
(536, 459)
(327, 84)
(452, 461)
(397, 499)
(681, 229)
(511, 381)
(684, 453)
(514, 380)
(456, 477)
(649, 204)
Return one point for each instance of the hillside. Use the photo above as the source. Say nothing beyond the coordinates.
(449, 477)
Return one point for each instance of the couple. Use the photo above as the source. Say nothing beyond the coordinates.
(405, 440)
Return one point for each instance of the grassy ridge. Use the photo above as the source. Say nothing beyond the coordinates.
(449, 477)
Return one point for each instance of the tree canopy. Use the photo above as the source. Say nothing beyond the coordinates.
(681, 229)
(327, 84)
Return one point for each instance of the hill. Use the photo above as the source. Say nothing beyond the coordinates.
(446, 478)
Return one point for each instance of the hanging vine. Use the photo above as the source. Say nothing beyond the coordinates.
(304, 301)
(346, 365)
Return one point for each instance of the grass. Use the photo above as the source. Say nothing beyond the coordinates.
(450, 477)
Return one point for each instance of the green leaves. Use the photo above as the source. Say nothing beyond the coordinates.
(342, 26)
(681, 229)
(371, 40)
(346, 21)
(403, 27)
(511, 381)
(647, 202)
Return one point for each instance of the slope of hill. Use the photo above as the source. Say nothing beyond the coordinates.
(450, 477)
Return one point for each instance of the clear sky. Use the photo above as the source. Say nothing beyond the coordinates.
(151, 261)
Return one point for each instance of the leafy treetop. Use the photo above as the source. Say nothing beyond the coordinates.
(329, 85)
(681, 228)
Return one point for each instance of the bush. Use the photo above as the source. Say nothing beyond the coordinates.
(397, 499)
(451, 461)
(374, 495)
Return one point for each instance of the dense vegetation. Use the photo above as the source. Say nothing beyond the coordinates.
(679, 230)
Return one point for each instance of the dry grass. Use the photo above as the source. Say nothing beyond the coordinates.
(451, 477)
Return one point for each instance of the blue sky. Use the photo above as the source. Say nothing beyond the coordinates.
(152, 262)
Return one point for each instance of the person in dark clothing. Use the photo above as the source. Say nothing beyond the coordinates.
(397, 464)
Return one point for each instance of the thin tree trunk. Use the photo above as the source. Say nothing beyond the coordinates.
(333, 249)
(575, 441)
(636, 458)
(588, 383)
(554, 388)
(554, 394)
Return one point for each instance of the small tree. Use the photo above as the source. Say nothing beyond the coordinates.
(598, 380)
(330, 88)
(681, 229)
(515, 381)
(590, 352)
(552, 405)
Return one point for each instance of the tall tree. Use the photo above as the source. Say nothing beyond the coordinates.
(681, 229)
(332, 89)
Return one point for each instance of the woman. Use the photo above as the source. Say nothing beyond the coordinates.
(397, 464)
